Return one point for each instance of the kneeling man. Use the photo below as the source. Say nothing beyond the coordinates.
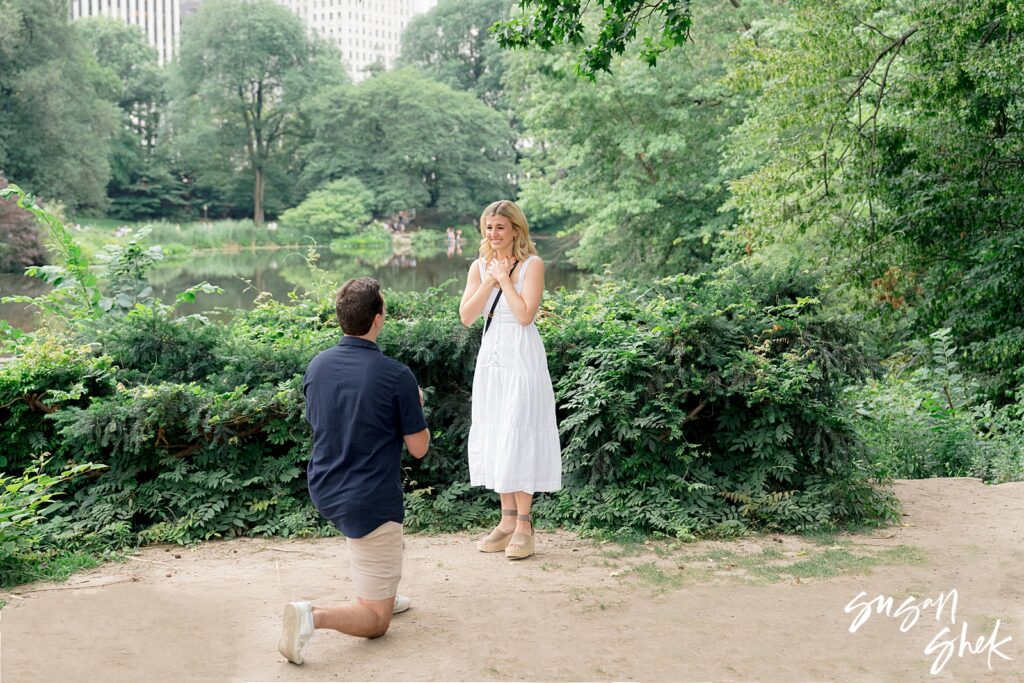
(362, 407)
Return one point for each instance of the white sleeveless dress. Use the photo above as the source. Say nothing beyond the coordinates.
(513, 440)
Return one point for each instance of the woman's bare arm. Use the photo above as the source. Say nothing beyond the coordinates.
(475, 295)
(524, 306)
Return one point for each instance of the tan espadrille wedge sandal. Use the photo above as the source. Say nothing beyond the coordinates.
(521, 546)
(497, 540)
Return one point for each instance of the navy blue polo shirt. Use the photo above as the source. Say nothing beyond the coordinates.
(359, 403)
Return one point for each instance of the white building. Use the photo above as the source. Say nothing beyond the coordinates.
(159, 19)
(366, 32)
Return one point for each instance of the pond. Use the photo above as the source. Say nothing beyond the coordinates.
(244, 274)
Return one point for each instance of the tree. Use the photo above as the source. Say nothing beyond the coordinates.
(247, 68)
(553, 22)
(453, 45)
(630, 161)
(413, 142)
(56, 110)
(887, 141)
(142, 185)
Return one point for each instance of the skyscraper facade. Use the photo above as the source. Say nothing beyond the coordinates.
(160, 20)
(366, 32)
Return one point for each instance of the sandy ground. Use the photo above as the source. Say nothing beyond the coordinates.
(579, 610)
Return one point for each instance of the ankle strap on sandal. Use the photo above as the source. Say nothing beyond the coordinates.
(525, 518)
(509, 513)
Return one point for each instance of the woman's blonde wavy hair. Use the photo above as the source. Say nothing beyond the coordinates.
(522, 247)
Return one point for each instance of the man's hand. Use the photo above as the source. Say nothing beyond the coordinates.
(421, 396)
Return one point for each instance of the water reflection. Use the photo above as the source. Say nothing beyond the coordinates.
(20, 315)
(242, 275)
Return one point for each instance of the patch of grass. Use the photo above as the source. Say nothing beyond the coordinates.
(662, 579)
(822, 537)
(838, 561)
(771, 565)
(56, 566)
(653, 574)
(823, 565)
(904, 554)
(624, 547)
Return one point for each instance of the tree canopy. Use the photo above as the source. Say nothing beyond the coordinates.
(453, 45)
(630, 161)
(413, 142)
(247, 68)
(889, 145)
(550, 23)
(57, 111)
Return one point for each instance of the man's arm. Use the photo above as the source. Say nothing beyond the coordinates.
(417, 443)
(409, 403)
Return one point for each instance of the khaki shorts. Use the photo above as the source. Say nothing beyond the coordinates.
(375, 562)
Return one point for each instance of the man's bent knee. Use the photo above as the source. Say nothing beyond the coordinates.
(382, 611)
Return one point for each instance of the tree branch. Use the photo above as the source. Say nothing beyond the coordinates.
(894, 45)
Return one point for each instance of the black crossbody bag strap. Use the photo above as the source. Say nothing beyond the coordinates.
(490, 315)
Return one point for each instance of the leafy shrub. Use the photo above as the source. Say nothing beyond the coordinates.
(372, 244)
(925, 418)
(697, 405)
(1000, 454)
(341, 207)
(24, 503)
(705, 404)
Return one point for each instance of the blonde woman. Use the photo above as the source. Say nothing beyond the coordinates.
(513, 440)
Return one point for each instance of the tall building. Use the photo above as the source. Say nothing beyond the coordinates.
(159, 19)
(366, 32)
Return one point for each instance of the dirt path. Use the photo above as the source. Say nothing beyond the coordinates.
(769, 608)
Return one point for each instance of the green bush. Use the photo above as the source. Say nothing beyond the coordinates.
(341, 207)
(1000, 454)
(696, 405)
(24, 502)
(925, 418)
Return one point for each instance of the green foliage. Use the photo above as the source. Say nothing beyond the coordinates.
(886, 138)
(219, 235)
(1000, 454)
(24, 502)
(553, 23)
(451, 44)
(341, 207)
(58, 114)
(53, 371)
(927, 419)
(696, 405)
(142, 184)
(705, 401)
(373, 244)
(631, 162)
(245, 73)
(920, 423)
(76, 292)
(413, 142)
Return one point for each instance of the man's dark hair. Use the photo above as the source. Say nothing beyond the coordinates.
(356, 304)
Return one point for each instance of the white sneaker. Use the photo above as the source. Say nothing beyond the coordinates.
(401, 604)
(298, 629)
